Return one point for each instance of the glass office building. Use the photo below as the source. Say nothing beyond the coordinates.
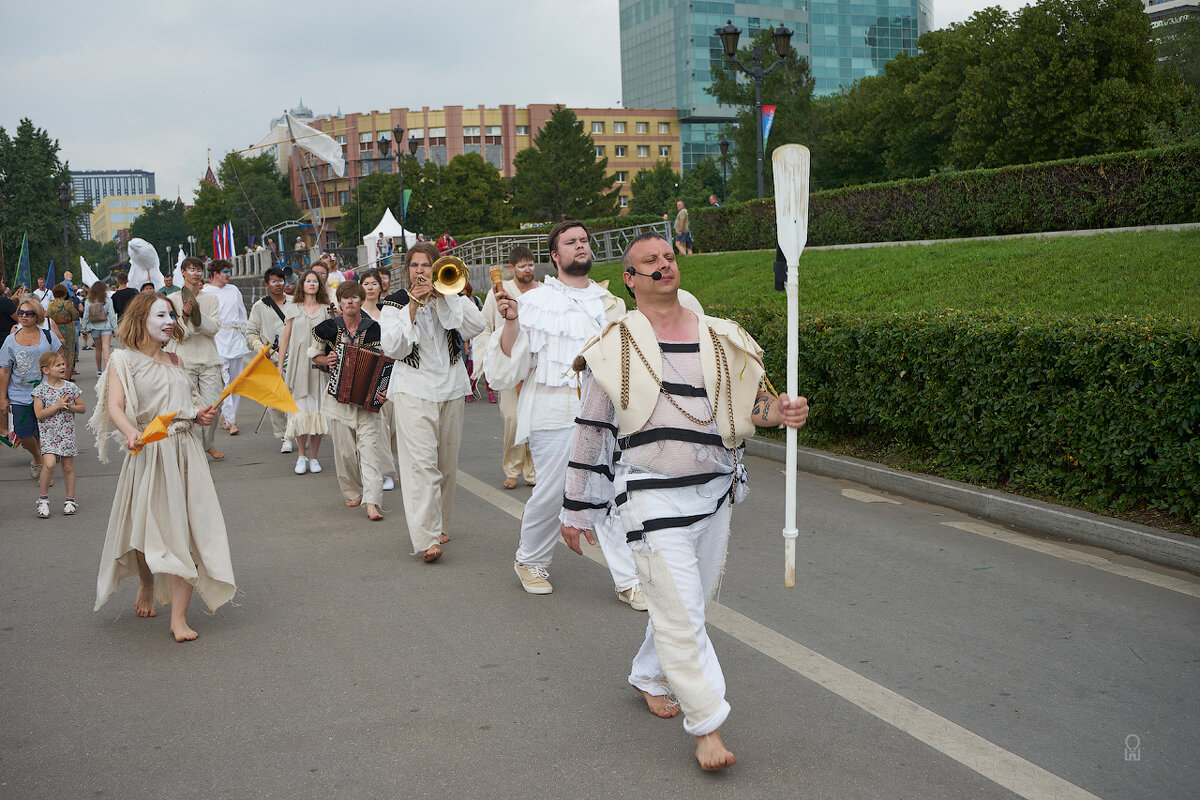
(668, 46)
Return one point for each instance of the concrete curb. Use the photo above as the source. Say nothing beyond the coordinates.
(1151, 544)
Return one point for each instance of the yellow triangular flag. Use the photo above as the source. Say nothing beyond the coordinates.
(261, 382)
(157, 429)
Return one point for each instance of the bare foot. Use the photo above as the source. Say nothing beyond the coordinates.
(445, 537)
(184, 633)
(355, 503)
(510, 483)
(144, 604)
(433, 553)
(711, 752)
(660, 705)
(373, 512)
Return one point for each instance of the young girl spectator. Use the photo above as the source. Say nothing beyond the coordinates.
(19, 373)
(56, 401)
(100, 320)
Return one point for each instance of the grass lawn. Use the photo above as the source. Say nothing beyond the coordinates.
(1116, 274)
(1112, 274)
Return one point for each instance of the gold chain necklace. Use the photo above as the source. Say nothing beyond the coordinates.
(723, 371)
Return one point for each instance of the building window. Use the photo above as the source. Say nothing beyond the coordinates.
(522, 130)
(643, 127)
(664, 127)
(618, 127)
(599, 151)
(491, 130)
(619, 150)
(664, 151)
(341, 139)
(344, 198)
(597, 127)
(416, 133)
(623, 201)
(437, 133)
(470, 130)
(643, 151)
(365, 140)
(622, 176)
(365, 167)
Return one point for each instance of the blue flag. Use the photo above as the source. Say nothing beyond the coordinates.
(23, 278)
(50, 275)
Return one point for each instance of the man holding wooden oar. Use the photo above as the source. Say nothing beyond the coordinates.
(668, 398)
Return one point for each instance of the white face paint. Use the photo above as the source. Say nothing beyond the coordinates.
(161, 321)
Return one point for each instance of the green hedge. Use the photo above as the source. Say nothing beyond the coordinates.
(1105, 412)
(1149, 187)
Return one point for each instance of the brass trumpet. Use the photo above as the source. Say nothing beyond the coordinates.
(449, 275)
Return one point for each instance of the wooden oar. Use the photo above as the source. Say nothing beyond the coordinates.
(789, 166)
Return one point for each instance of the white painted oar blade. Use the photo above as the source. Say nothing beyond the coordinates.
(789, 166)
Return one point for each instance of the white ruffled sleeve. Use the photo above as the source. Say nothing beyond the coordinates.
(459, 313)
(506, 371)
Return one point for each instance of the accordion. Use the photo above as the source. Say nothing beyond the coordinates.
(359, 376)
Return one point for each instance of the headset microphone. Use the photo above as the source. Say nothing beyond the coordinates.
(654, 276)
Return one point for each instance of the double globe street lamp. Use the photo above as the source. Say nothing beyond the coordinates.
(782, 38)
(384, 146)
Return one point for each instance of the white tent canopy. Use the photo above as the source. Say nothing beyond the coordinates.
(388, 228)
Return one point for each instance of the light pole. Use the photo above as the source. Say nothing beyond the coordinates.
(397, 140)
(782, 38)
(191, 245)
(64, 202)
(168, 255)
(723, 143)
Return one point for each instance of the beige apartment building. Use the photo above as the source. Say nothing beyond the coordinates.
(116, 213)
(632, 139)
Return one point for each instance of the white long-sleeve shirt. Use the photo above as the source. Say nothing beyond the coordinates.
(231, 338)
(421, 347)
(556, 322)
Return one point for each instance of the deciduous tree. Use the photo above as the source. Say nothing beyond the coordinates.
(162, 223)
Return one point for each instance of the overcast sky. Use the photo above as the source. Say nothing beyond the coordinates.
(153, 85)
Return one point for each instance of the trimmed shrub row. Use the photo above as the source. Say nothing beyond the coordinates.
(1148, 187)
(1103, 411)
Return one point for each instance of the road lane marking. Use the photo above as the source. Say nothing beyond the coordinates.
(867, 497)
(1170, 582)
(993, 762)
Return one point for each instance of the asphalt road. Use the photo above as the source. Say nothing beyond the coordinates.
(913, 659)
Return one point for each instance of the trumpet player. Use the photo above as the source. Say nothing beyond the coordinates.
(424, 329)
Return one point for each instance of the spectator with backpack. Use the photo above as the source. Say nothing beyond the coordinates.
(100, 320)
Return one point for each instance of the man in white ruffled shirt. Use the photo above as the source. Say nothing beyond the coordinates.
(544, 330)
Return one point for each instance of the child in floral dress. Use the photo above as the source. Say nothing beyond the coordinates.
(55, 402)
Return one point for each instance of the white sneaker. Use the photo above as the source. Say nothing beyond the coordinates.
(388, 484)
(534, 578)
(287, 446)
(314, 465)
(43, 508)
(634, 597)
(301, 465)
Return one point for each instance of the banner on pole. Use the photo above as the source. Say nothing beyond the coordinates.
(768, 116)
(22, 277)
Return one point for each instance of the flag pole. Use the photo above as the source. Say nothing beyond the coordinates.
(790, 170)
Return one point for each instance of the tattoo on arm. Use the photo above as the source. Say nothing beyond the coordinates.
(762, 407)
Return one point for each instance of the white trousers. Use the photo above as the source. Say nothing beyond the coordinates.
(540, 527)
(230, 369)
(206, 380)
(679, 569)
(387, 441)
(355, 456)
(428, 435)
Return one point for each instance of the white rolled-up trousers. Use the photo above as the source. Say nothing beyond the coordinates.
(540, 526)
(679, 569)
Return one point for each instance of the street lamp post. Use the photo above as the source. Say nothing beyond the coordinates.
(191, 245)
(782, 38)
(723, 143)
(64, 202)
(168, 255)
